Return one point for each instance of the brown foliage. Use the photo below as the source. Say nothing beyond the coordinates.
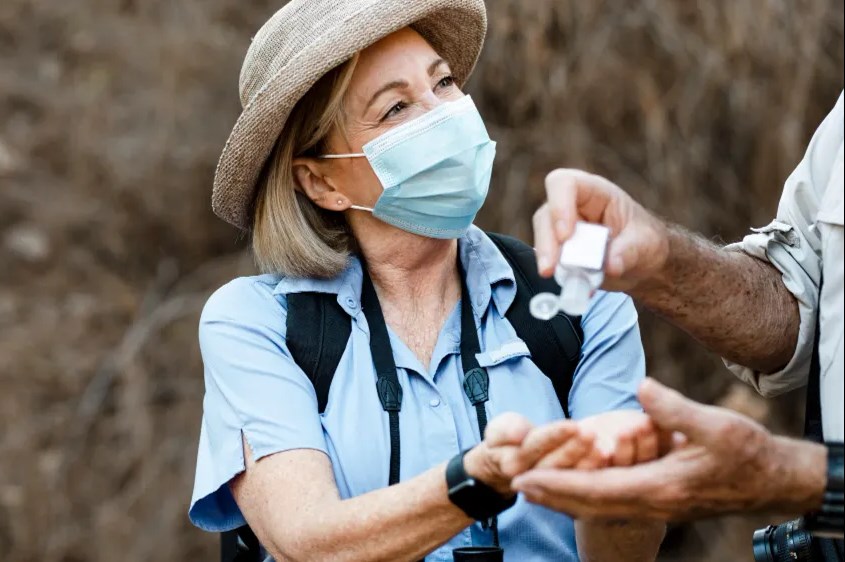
(112, 114)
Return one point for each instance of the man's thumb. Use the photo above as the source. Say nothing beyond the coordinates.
(671, 410)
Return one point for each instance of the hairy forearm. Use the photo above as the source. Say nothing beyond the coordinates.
(401, 522)
(732, 303)
(618, 541)
(797, 471)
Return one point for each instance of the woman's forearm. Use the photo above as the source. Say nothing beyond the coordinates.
(734, 304)
(618, 541)
(401, 522)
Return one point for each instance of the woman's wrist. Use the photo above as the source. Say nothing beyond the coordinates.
(479, 463)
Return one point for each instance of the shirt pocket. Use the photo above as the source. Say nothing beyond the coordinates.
(506, 351)
(518, 385)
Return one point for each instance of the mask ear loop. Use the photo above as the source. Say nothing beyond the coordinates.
(350, 155)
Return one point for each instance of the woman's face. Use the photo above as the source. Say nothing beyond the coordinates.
(395, 80)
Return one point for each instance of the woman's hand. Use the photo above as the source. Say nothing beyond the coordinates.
(639, 245)
(512, 445)
(618, 438)
(626, 437)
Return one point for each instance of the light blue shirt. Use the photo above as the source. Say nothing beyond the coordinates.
(254, 386)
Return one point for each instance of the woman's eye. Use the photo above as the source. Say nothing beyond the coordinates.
(394, 110)
(446, 81)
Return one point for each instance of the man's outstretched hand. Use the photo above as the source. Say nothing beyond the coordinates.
(725, 463)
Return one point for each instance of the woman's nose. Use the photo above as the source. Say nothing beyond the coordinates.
(430, 100)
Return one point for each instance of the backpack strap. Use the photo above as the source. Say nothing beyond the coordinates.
(240, 545)
(318, 330)
(555, 345)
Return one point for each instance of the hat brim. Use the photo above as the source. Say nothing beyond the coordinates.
(454, 28)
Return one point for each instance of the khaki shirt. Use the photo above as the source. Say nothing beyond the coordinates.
(805, 242)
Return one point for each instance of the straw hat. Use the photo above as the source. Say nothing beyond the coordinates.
(301, 43)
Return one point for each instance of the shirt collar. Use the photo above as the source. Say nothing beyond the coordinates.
(488, 276)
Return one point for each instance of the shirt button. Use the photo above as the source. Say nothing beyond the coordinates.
(479, 300)
(434, 402)
(351, 303)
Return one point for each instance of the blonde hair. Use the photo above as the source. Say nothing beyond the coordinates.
(290, 234)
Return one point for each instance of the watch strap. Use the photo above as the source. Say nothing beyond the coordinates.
(475, 498)
(828, 521)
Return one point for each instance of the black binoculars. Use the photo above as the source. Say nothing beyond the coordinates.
(479, 554)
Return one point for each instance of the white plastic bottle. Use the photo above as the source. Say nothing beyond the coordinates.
(579, 273)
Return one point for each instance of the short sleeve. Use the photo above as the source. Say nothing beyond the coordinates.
(791, 243)
(613, 361)
(252, 386)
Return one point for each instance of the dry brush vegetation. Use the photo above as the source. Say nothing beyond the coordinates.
(112, 113)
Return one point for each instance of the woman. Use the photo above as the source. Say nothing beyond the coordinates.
(358, 165)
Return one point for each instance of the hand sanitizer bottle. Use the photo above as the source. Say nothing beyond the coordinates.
(579, 273)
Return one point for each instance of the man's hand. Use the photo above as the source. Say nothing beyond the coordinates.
(639, 244)
(734, 304)
(727, 464)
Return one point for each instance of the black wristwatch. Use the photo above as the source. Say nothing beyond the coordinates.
(474, 497)
(828, 521)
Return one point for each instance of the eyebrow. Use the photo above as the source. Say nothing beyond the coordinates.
(395, 84)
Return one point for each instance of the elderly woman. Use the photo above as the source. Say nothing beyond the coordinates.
(357, 167)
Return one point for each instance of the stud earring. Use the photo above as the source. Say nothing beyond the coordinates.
(340, 201)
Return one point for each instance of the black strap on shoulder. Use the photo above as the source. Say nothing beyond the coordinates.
(555, 345)
(318, 330)
(240, 545)
(476, 380)
(387, 381)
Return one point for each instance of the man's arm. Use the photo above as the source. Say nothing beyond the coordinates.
(733, 303)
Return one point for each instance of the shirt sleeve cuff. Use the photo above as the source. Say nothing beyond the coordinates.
(779, 244)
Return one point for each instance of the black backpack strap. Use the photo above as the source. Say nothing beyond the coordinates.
(240, 545)
(555, 345)
(318, 330)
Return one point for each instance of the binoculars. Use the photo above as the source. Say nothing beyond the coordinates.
(479, 554)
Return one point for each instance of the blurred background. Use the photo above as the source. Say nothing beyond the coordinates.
(112, 116)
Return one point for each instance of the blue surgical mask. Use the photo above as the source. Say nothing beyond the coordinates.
(435, 170)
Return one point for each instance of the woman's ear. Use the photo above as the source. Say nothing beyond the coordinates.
(311, 180)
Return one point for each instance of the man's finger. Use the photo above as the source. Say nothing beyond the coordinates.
(562, 195)
(545, 242)
(635, 486)
(623, 253)
(671, 411)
